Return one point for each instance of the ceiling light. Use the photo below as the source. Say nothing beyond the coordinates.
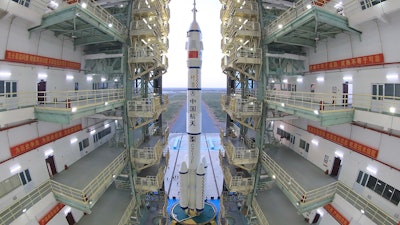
(283, 104)
(300, 80)
(392, 109)
(5, 74)
(103, 79)
(308, 6)
(320, 79)
(315, 142)
(42, 75)
(70, 77)
(392, 76)
(347, 78)
(285, 80)
(89, 78)
(110, 25)
(73, 109)
(84, 5)
(372, 170)
(316, 112)
(15, 168)
(280, 26)
(73, 140)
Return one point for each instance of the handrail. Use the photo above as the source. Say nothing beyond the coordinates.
(259, 213)
(90, 193)
(372, 211)
(334, 101)
(15, 210)
(59, 100)
(298, 9)
(128, 211)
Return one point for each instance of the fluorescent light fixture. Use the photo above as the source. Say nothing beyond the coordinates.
(73, 140)
(89, 78)
(392, 76)
(114, 176)
(284, 80)
(103, 79)
(339, 154)
(339, 5)
(49, 152)
(315, 142)
(105, 103)
(316, 112)
(392, 109)
(84, 5)
(320, 79)
(320, 212)
(273, 81)
(42, 75)
(92, 132)
(282, 126)
(107, 125)
(73, 109)
(283, 104)
(308, 6)
(70, 77)
(5, 74)
(24, 210)
(300, 80)
(362, 211)
(372, 170)
(116, 80)
(110, 25)
(67, 210)
(273, 177)
(347, 78)
(116, 121)
(15, 168)
(280, 26)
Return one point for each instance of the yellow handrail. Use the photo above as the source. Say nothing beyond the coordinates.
(259, 213)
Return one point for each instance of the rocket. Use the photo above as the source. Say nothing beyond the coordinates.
(192, 173)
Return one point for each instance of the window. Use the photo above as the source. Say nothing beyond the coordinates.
(83, 144)
(10, 184)
(365, 4)
(23, 2)
(371, 182)
(8, 88)
(101, 134)
(292, 139)
(362, 178)
(386, 91)
(395, 197)
(302, 144)
(381, 188)
(388, 192)
(25, 177)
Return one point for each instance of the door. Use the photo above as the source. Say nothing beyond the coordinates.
(345, 94)
(70, 219)
(336, 166)
(51, 166)
(377, 97)
(316, 218)
(41, 92)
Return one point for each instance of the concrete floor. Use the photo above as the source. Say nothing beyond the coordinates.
(109, 209)
(304, 172)
(83, 171)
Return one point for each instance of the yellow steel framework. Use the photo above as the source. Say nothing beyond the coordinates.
(149, 39)
(142, 111)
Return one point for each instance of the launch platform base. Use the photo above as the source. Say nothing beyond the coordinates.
(207, 217)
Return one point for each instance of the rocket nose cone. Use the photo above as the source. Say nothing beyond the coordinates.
(184, 168)
(200, 169)
(194, 25)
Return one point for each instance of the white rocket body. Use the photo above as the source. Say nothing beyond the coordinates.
(192, 186)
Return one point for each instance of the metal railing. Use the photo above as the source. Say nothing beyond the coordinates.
(373, 212)
(299, 194)
(103, 15)
(8, 215)
(147, 155)
(335, 101)
(128, 211)
(60, 100)
(298, 9)
(259, 213)
(150, 183)
(92, 191)
(236, 104)
(238, 183)
(147, 107)
(249, 7)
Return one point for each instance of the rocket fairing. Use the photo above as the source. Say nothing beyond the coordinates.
(192, 184)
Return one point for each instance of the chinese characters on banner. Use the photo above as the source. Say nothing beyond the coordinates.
(336, 214)
(37, 142)
(368, 60)
(21, 57)
(46, 218)
(348, 143)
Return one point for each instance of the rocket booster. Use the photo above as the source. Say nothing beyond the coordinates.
(192, 176)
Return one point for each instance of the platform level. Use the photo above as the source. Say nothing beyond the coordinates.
(82, 184)
(304, 184)
(277, 209)
(110, 209)
(151, 178)
(236, 178)
(326, 108)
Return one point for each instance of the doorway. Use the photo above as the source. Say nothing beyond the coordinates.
(51, 166)
(336, 166)
(70, 219)
(41, 92)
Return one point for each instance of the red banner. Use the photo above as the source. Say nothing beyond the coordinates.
(21, 57)
(348, 143)
(368, 60)
(321, 2)
(336, 215)
(37, 142)
(46, 218)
